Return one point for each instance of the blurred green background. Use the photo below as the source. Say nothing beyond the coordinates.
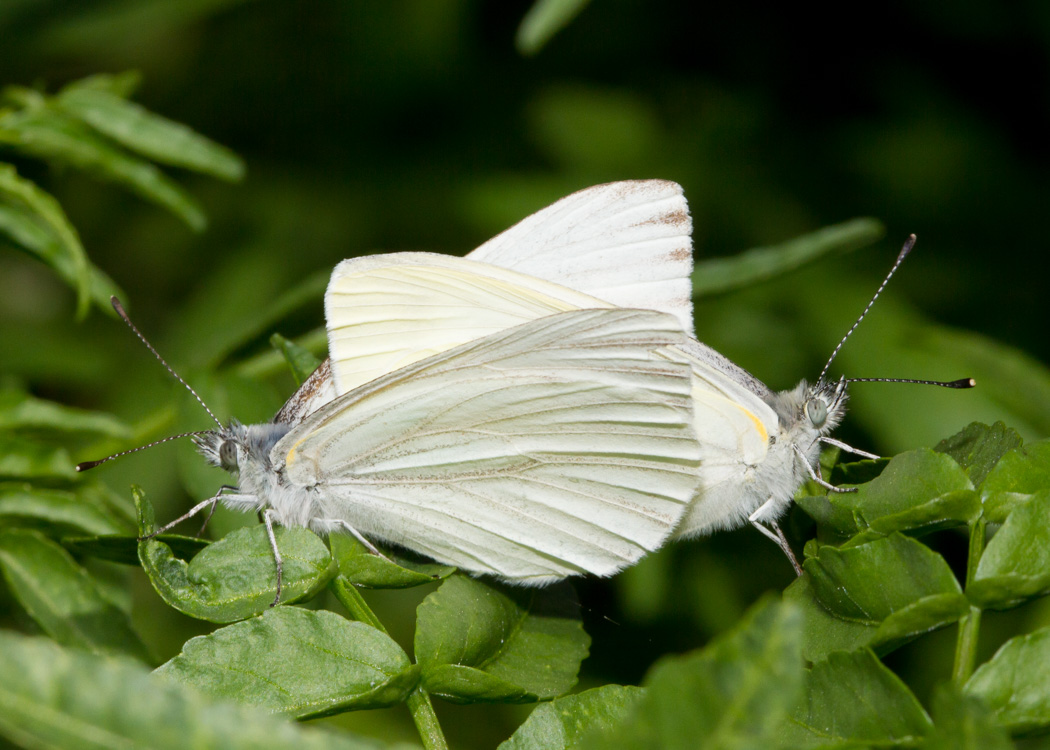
(418, 125)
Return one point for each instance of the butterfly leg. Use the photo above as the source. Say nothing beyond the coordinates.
(358, 536)
(189, 514)
(814, 474)
(214, 503)
(776, 534)
(268, 515)
(848, 448)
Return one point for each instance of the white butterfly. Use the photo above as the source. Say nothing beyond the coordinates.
(625, 243)
(560, 446)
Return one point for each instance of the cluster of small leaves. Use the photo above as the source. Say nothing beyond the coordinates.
(804, 671)
(90, 125)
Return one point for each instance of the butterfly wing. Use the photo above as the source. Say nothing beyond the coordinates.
(386, 311)
(555, 447)
(316, 391)
(628, 243)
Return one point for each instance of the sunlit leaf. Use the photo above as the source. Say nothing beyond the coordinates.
(148, 134)
(54, 697)
(50, 135)
(1016, 563)
(297, 662)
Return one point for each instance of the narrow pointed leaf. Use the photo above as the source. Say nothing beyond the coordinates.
(57, 513)
(148, 134)
(48, 134)
(25, 458)
(543, 20)
(301, 361)
(39, 203)
(62, 598)
(20, 411)
(480, 643)
(58, 698)
(297, 662)
(720, 275)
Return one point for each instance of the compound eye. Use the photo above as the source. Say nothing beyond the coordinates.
(817, 411)
(228, 455)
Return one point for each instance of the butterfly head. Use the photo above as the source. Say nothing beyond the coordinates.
(224, 447)
(235, 446)
(824, 405)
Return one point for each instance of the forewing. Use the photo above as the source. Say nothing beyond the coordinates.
(386, 311)
(628, 243)
(316, 391)
(556, 447)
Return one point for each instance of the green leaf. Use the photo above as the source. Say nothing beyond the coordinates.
(20, 411)
(1020, 473)
(919, 490)
(118, 84)
(823, 632)
(977, 448)
(58, 512)
(53, 697)
(24, 458)
(735, 693)
(148, 134)
(236, 577)
(62, 598)
(125, 549)
(297, 662)
(1016, 563)
(301, 361)
(835, 522)
(721, 275)
(543, 20)
(851, 699)
(895, 583)
(27, 230)
(362, 568)
(48, 134)
(1015, 683)
(961, 722)
(564, 722)
(480, 643)
(43, 206)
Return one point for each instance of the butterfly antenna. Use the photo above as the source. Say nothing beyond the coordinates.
(92, 464)
(121, 312)
(908, 245)
(960, 383)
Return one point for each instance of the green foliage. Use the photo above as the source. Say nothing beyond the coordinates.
(889, 573)
(91, 126)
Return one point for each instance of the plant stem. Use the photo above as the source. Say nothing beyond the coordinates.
(418, 701)
(969, 626)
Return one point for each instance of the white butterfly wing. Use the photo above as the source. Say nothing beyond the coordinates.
(316, 391)
(556, 447)
(628, 243)
(386, 311)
